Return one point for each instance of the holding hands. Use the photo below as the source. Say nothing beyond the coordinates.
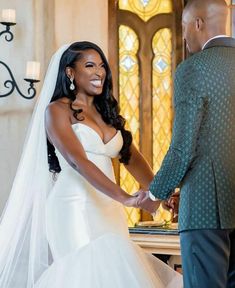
(142, 200)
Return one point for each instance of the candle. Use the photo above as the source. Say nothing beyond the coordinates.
(33, 70)
(8, 15)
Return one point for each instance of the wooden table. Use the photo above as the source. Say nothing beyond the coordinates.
(156, 242)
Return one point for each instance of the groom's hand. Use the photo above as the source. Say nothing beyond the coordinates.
(146, 203)
(173, 204)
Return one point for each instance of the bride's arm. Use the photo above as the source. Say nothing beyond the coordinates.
(61, 134)
(139, 168)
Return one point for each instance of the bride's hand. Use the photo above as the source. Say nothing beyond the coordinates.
(134, 200)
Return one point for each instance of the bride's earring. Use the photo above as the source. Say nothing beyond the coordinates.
(72, 86)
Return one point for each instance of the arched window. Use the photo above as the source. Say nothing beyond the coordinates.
(146, 45)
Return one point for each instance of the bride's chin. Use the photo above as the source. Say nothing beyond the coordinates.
(96, 92)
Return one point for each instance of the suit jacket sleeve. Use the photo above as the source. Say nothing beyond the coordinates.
(189, 110)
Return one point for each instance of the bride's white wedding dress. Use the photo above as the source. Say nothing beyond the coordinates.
(88, 234)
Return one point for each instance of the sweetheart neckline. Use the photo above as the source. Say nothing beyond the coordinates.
(92, 129)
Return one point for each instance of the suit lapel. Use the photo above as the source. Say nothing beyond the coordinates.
(221, 42)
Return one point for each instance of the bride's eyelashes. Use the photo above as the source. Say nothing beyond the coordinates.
(90, 65)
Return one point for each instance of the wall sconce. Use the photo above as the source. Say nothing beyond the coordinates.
(33, 68)
(8, 20)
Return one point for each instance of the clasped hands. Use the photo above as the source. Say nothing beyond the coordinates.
(142, 200)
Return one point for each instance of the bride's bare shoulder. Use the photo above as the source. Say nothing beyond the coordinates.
(59, 108)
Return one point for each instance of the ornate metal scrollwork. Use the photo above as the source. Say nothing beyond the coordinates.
(9, 35)
(11, 83)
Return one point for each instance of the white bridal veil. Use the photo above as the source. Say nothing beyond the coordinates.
(23, 243)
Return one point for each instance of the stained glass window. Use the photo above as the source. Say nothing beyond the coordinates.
(146, 9)
(130, 84)
(129, 103)
(162, 95)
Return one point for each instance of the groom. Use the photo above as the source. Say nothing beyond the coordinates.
(201, 156)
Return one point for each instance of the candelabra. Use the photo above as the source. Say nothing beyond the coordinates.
(33, 68)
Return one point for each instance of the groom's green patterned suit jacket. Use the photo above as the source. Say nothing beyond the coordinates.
(201, 157)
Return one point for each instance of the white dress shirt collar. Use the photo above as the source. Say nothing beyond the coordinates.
(218, 36)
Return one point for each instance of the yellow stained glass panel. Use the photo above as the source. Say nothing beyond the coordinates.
(129, 104)
(146, 9)
(162, 95)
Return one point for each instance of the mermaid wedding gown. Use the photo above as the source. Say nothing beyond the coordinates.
(88, 234)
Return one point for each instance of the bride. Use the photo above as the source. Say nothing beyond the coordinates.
(77, 130)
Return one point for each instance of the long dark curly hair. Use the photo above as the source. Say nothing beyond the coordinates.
(105, 104)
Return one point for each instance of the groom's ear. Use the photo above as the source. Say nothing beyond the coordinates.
(199, 24)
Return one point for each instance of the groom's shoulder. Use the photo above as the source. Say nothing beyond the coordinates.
(192, 62)
(190, 66)
(201, 60)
